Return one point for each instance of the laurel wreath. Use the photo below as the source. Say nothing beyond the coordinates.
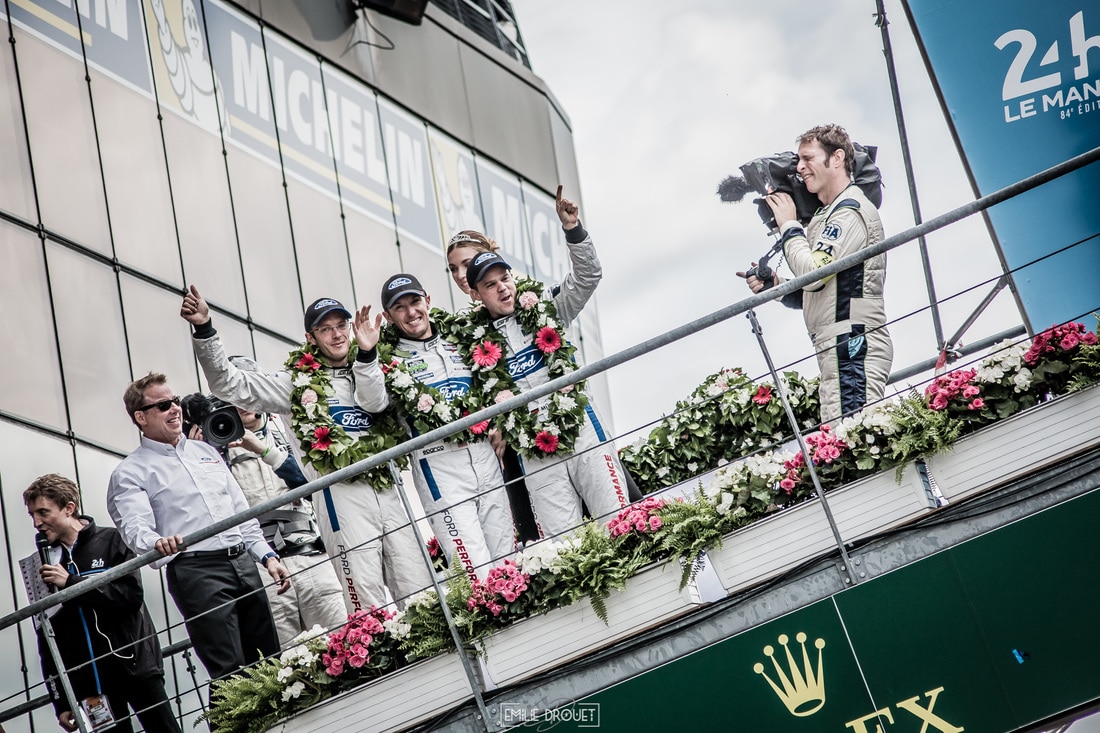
(553, 426)
(424, 406)
(325, 445)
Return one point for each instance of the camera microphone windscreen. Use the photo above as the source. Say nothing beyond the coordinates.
(43, 544)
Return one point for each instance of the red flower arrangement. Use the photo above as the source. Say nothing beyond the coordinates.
(1067, 337)
(640, 517)
(504, 584)
(825, 449)
(349, 646)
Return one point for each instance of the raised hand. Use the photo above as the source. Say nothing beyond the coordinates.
(367, 332)
(567, 211)
(194, 309)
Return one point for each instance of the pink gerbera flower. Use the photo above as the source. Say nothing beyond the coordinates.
(487, 354)
(763, 395)
(548, 340)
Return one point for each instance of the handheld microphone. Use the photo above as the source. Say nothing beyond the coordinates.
(43, 544)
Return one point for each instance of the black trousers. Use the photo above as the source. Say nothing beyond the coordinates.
(225, 610)
(148, 700)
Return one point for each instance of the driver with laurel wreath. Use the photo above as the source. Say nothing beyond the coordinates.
(367, 533)
(419, 371)
(515, 341)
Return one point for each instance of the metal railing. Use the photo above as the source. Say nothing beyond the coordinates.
(744, 306)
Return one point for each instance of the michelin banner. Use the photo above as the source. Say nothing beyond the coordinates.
(1020, 81)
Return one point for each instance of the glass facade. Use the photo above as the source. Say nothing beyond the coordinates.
(258, 152)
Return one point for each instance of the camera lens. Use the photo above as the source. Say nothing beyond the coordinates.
(223, 426)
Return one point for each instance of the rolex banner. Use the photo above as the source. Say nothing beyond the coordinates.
(993, 635)
(1020, 83)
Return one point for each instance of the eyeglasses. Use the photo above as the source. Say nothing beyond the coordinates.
(327, 331)
(163, 405)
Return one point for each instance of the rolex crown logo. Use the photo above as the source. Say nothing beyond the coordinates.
(803, 690)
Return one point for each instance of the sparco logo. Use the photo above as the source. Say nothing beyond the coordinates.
(525, 362)
(398, 283)
(351, 418)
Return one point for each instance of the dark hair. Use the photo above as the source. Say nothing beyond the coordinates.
(135, 393)
(832, 138)
(55, 488)
(473, 240)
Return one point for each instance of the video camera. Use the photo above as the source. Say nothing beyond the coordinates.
(219, 421)
(779, 172)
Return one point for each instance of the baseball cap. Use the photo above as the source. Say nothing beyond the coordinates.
(398, 285)
(480, 265)
(320, 308)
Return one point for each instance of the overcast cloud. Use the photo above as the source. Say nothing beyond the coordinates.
(666, 99)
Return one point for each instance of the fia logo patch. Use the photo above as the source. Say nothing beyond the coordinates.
(832, 231)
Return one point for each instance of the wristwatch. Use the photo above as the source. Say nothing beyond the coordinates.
(268, 556)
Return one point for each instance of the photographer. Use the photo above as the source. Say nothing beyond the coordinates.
(172, 486)
(844, 314)
(262, 464)
(109, 626)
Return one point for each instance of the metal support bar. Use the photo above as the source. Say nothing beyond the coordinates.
(907, 161)
(963, 351)
(850, 576)
(998, 286)
(62, 673)
(460, 647)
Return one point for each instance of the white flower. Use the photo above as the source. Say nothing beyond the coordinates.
(491, 383)
(285, 674)
(662, 471)
(301, 379)
(311, 410)
(396, 627)
(401, 379)
(565, 402)
(1022, 380)
(443, 411)
(479, 333)
(294, 690)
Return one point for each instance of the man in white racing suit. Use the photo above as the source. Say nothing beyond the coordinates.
(366, 531)
(844, 314)
(593, 474)
(460, 483)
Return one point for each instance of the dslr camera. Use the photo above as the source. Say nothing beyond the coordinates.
(218, 420)
(779, 172)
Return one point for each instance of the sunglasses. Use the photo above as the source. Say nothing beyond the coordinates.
(163, 405)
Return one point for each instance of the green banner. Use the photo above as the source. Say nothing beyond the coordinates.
(992, 635)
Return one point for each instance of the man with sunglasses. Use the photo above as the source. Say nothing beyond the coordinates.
(109, 626)
(367, 533)
(171, 487)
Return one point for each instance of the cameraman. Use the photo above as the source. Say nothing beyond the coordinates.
(262, 464)
(844, 313)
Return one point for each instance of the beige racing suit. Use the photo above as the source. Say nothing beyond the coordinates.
(844, 313)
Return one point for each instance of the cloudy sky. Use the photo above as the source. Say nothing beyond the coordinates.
(666, 99)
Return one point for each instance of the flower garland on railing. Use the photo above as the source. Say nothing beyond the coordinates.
(325, 445)
(598, 559)
(553, 427)
(424, 405)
